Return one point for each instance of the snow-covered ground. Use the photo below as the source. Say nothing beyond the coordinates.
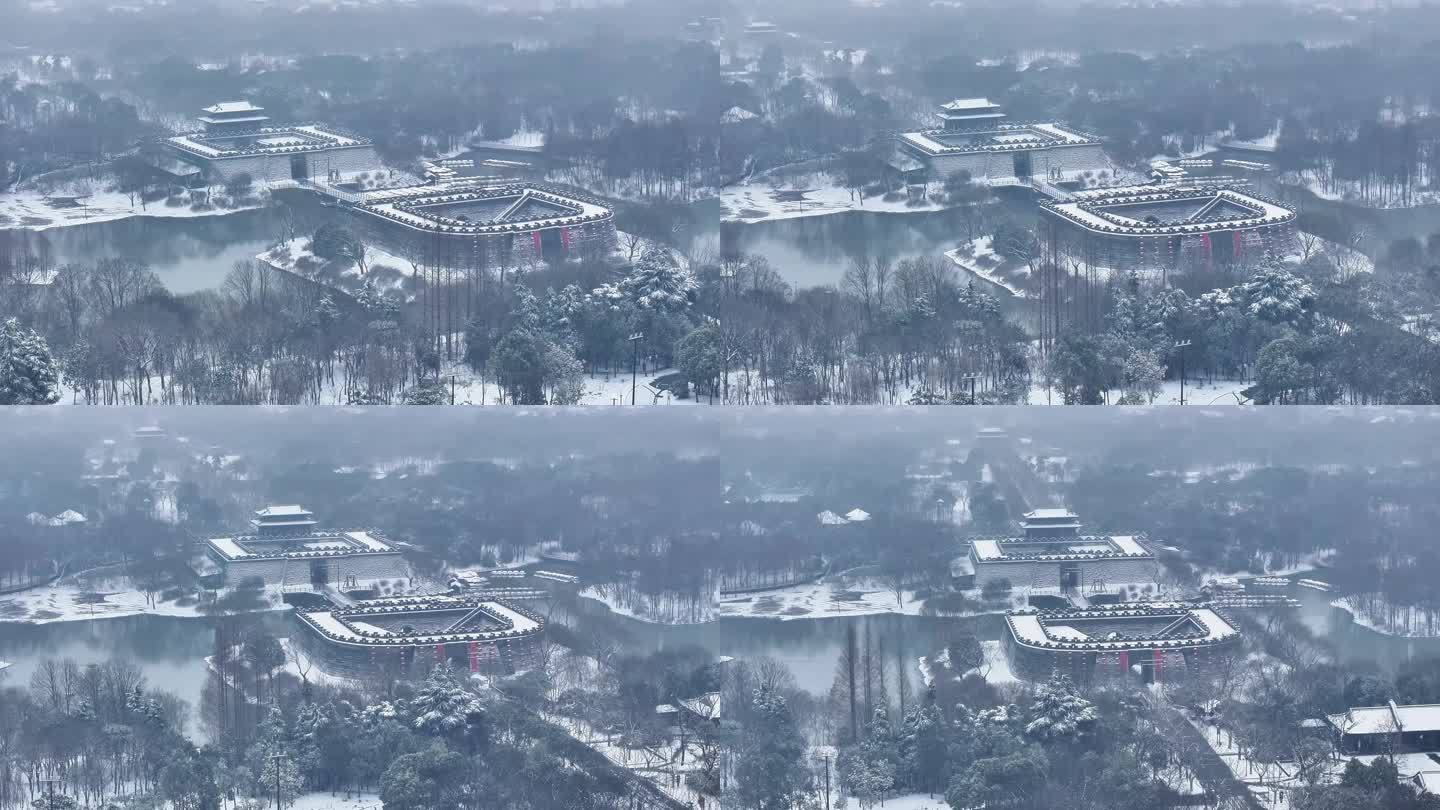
(997, 666)
(822, 599)
(330, 801)
(981, 260)
(295, 257)
(663, 608)
(28, 210)
(1272, 783)
(1197, 392)
(757, 201)
(71, 601)
(915, 801)
(1375, 614)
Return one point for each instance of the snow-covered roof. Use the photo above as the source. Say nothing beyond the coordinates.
(70, 516)
(994, 137)
(231, 107)
(530, 207)
(348, 625)
(1056, 629)
(960, 104)
(826, 518)
(1427, 781)
(1049, 513)
(1019, 549)
(283, 510)
(986, 549)
(706, 707)
(736, 115)
(309, 545)
(369, 542)
(286, 140)
(1100, 210)
(1388, 719)
(857, 515)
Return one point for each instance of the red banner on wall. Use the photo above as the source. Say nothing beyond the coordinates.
(535, 236)
(1159, 664)
(474, 656)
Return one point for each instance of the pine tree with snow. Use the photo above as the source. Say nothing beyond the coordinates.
(29, 375)
(1278, 296)
(1059, 712)
(769, 773)
(921, 746)
(659, 284)
(444, 707)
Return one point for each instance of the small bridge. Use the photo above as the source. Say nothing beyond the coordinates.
(1049, 189)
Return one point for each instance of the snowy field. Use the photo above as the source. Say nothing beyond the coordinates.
(100, 594)
(915, 801)
(330, 801)
(1197, 392)
(814, 196)
(28, 210)
(1379, 617)
(821, 600)
(980, 259)
(290, 256)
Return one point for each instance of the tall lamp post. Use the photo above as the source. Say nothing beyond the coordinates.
(825, 753)
(275, 758)
(1180, 346)
(727, 277)
(971, 378)
(634, 339)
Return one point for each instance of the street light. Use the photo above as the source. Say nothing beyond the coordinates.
(971, 378)
(634, 339)
(825, 753)
(727, 277)
(1180, 346)
(275, 758)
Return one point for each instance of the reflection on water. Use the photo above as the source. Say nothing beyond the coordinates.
(187, 253)
(809, 647)
(815, 251)
(1355, 642)
(169, 651)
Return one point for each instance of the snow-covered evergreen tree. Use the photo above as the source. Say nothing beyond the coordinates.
(1059, 712)
(443, 707)
(658, 283)
(29, 375)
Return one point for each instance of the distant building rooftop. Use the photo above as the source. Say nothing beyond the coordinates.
(1147, 625)
(232, 107)
(288, 531)
(1388, 719)
(1168, 210)
(1072, 549)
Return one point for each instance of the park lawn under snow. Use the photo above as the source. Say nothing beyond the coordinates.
(980, 259)
(820, 600)
(915, 801)
(330, 801)
(295, 257)
(1377, 616)
(28, 210)
(1197, 392)
(71, 602)
(757, 201)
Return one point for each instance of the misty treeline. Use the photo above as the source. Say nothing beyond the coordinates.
(657, 139)
(1372, 528)
(95, 735)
